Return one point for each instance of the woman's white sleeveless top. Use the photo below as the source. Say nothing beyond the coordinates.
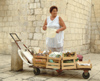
(57, 41)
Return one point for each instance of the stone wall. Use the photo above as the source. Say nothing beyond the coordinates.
(95, 26)
(26, 17)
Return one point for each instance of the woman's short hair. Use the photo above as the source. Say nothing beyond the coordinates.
(53, 7)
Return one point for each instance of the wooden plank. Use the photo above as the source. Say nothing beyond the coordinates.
(69, 58)
(56, 61)
(68, 64)
(44, 57)
(39, 62)
(54, 67)
(54, 58)
(33, 61)
(84, 61)
(70, 67)
(53, 63)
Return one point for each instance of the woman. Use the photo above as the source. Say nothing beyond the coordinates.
(54, 21)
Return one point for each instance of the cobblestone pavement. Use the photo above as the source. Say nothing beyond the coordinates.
(67, 75)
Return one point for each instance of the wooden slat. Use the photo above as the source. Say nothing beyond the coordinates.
(70, 67)
(83, 61)
(53, 63)
(40, 62)
(69, 58)
(54, 67)
(40, 57)
(54, 58)
(68, 64)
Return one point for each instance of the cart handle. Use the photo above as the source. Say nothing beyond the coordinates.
(11, 34)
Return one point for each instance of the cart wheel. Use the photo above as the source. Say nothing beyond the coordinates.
(59, 70)
(36, 71)
(86, 75)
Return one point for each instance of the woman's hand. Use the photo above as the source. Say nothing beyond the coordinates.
(58, 31)
(45, 27)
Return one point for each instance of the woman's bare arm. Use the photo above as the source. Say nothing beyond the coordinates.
(62, 24)
(44, 26)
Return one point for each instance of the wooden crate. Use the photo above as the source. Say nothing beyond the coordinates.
(55, 65)
(40, 57)
(39, 61)
(68, 65)
(82, 66)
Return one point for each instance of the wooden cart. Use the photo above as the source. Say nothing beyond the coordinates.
(60, 65)
(43, 62)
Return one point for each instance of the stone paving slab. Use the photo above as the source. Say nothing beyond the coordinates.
(48, 75)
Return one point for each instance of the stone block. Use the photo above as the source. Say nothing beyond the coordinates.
(38, 36)
(34, 43)
(38, 11)
(37, 0)
(30, 36)
(32, 5)
(31, 18)
(16, 62)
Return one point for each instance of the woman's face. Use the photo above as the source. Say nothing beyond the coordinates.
(54, 12)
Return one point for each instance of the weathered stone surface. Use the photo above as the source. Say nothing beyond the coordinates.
(16, 62)
(48, 74)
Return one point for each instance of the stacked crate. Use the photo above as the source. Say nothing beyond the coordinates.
(80, 66)
(39, 61)
(70, 65)
(55, 64)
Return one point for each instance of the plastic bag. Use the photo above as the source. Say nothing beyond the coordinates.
(55, 54)
(51, 32)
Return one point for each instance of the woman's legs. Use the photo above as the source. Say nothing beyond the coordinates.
(59, 49)
(52, 49)
(55, 49)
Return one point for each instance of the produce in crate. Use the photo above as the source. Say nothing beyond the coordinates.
(68, 60)
(84, 64)
(53, 60)
(40, 58)
(55, 55)
(68, 54)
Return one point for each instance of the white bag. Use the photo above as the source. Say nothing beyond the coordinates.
(51, 32)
